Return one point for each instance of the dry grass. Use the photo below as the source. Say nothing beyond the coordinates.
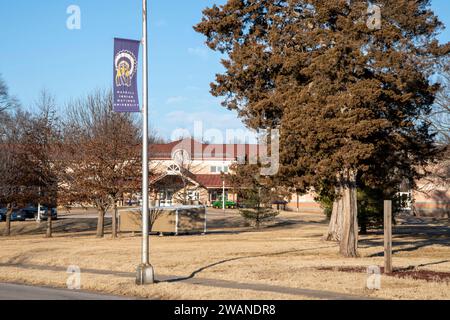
(287, 254)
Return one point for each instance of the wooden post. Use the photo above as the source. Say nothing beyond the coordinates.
(388, 236)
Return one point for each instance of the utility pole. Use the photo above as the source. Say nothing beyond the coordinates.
(388, 236)
(145, 273)
(38, 218)
(223, 190)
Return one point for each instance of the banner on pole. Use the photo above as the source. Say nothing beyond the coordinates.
(126, 97)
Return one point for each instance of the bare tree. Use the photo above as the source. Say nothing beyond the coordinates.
(19, 179)
(440, 115)
(103, 156)
(4, 97)
(6, 101)
(44, 145)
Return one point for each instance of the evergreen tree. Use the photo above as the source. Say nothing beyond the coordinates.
(256, 193)
(348, 96)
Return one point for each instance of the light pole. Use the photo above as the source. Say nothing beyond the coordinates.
(222, 174)
(38, 219)
(145, 273)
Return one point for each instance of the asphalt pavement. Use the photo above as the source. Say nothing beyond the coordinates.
(23, 292)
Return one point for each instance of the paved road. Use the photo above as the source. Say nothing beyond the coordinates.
(22, 292)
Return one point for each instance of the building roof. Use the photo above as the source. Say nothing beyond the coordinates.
(209, 180)
(203, 151)
(204, 180)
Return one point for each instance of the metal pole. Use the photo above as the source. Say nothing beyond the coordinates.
(388, 236)
(39, 208)
(223, 192)
(145, 273)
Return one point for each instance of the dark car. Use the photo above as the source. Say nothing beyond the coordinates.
(44, 213)
(30, 212)
(16, 215)
(281, 204)
(2, 214)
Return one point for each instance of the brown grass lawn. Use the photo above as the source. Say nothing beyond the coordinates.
(289, 253)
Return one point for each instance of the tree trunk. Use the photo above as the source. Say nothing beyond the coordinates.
(343, 226)
(8, 223)
(335, 228)
(349, 240)
(101, 223)
(258, 222)
(363, 229)
(49, 224)
(114, 221)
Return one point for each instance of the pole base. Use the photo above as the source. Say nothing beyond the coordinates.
(145, 275)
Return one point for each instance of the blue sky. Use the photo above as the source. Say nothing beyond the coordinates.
(38, 51)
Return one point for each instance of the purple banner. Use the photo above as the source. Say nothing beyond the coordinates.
(126, 54)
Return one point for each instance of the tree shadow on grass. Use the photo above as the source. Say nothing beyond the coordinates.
(76, 227)
(425, 264)
(424, 235)
(196, 272)
(23, 257)
(239, 226)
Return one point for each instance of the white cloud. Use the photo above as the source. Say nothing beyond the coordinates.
(192, 88)
(175, 100)
(161, 23)
(199, 52)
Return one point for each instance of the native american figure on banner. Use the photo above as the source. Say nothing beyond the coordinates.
(125, 64)
(125, 68)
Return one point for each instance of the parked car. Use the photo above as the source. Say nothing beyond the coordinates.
(228, 204)
(281, 204)
(133, 202)
(44, 214)
(16, 215)
(2, 214)
(241, 204)
(31, 212)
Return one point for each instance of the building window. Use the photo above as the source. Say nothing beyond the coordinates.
(214, 195)
(193, 195)
(241, 159)
(173, 169)
(218, 169)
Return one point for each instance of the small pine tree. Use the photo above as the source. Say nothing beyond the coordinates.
(256, 194)
(259, 215)
(258, 208)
